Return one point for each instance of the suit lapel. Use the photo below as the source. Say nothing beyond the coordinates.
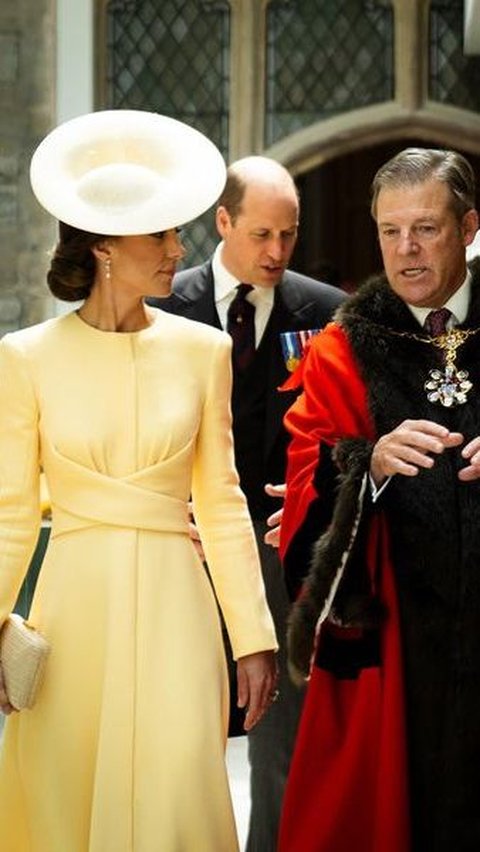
(195, 295)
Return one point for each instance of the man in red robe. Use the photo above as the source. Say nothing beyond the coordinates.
(381, 537)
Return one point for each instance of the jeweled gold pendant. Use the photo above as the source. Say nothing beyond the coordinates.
(449, 386)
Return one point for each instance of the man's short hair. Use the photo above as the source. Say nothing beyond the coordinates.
(417, 165)
(232, 195)
(252, 171)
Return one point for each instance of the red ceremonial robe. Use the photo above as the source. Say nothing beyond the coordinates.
(347, 787)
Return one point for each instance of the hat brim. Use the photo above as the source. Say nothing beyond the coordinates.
(121, 172)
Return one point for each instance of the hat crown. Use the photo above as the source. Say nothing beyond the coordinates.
(126, 172)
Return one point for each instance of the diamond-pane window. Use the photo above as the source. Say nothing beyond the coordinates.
(173, 57)
(325, 57)
(454, 78)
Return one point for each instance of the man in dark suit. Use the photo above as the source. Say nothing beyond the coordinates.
(257, 219)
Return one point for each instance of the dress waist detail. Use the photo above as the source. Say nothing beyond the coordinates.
(83, 497)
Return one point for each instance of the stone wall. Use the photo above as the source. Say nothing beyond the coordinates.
(27, 112)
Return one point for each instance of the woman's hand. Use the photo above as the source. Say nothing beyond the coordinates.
(5, 706)
(194, 534)
(257, 676)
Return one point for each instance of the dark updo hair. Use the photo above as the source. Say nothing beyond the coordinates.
(72, 269)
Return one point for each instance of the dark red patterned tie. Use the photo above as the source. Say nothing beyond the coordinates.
(241, 326)
(436, 322)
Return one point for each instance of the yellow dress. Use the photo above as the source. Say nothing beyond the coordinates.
(124, 749)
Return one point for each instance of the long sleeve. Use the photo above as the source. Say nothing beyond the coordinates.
(19, 473)
(327, 474)
(331, 408)
(223, 520)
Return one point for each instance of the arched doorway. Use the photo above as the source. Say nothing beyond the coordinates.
(337, 239)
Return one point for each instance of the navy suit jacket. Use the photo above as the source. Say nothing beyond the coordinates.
(299, 303)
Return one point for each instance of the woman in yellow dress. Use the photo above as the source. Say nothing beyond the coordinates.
(126, 410)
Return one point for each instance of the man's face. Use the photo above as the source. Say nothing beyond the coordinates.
(259, 244)
(423, 242)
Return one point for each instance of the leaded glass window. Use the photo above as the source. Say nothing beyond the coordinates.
(173, 57)
(325, 57)
(454, 78)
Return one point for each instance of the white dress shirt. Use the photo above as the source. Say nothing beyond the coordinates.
(225, 290)
(457, 305)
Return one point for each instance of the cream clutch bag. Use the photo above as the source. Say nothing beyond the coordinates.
(23, 655)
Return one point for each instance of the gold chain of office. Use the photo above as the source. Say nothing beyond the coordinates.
(448, 386)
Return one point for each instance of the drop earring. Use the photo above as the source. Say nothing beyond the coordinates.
(107, 268)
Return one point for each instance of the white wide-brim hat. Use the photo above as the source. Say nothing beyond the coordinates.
(120, 172)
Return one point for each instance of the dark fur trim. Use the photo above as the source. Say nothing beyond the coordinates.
(353, 458)
(353, 454)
